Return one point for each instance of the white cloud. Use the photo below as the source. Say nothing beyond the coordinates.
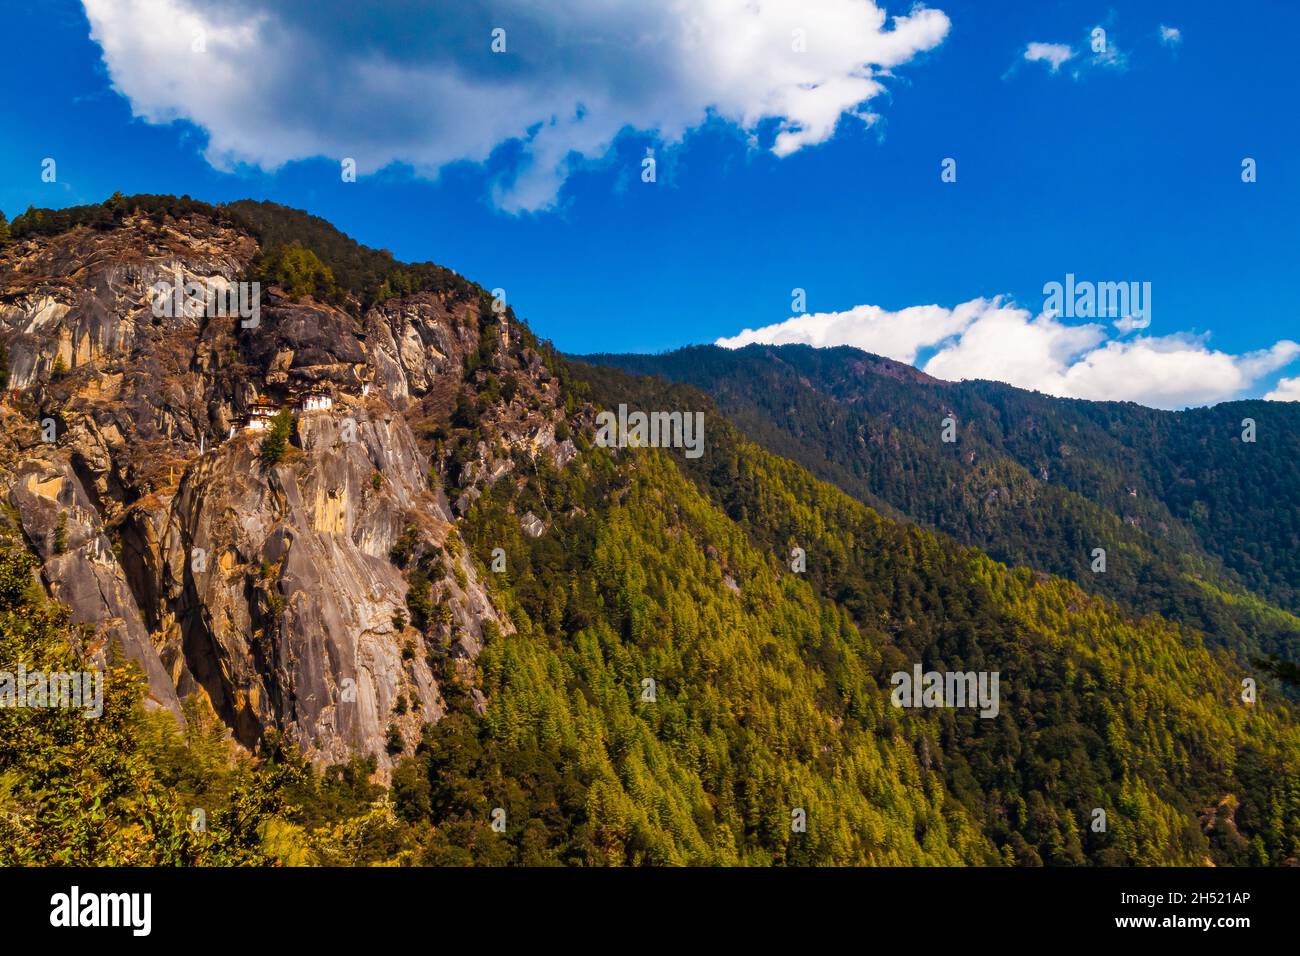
(1005, 345)
(1174, 371)
(1287, 390)
(897, 335)
(1170, 36)
(418, 82)
(1104, 51)
(985, 338)
(1097, 46)
(1053, 54)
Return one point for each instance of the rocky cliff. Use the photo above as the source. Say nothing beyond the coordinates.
(275, 591)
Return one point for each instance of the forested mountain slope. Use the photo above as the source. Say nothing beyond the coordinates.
(1197, 525)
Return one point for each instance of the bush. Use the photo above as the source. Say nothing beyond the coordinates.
(275, 604)
(467, 412)
(61, 534)
(395, 743)
(418, 602)
(109, 214)
(403, 550)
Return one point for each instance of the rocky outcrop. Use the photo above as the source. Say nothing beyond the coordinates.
(284, 597)
(64, 528)
(269, 590)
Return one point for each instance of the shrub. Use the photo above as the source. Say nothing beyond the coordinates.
(418, 602)
(395, 743)
(403, 549)
(61, 534)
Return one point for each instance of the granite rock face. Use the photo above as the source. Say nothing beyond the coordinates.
(65, 530)
(270, 591)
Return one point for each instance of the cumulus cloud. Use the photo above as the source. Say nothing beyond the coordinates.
(1287, 390)
(898, 335)
(1053, 54)
(1170, 36)
(418, 83)
(990, 339)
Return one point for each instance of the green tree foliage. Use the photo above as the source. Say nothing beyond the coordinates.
(276, 442)
(1093, 701)
(367, 275)
(418, 602)
(299, 272)
(109, 214)
(1176, 498)
(118, 789)
(61, 533)
(773, 691)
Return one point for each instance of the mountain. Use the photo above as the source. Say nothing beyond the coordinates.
(370, 586)
(269, 590)
(1197, 525)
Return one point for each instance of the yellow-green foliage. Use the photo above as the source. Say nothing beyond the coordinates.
(737, 737)
(776, 697)
(118, 789)
(299, 272)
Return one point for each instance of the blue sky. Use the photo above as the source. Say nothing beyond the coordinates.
(1118, 166)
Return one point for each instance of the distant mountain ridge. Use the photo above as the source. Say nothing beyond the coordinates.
(1184, 509)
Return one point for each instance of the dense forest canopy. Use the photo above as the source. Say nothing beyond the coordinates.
(1197, 525)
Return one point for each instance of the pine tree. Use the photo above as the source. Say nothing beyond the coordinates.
(276, 442)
